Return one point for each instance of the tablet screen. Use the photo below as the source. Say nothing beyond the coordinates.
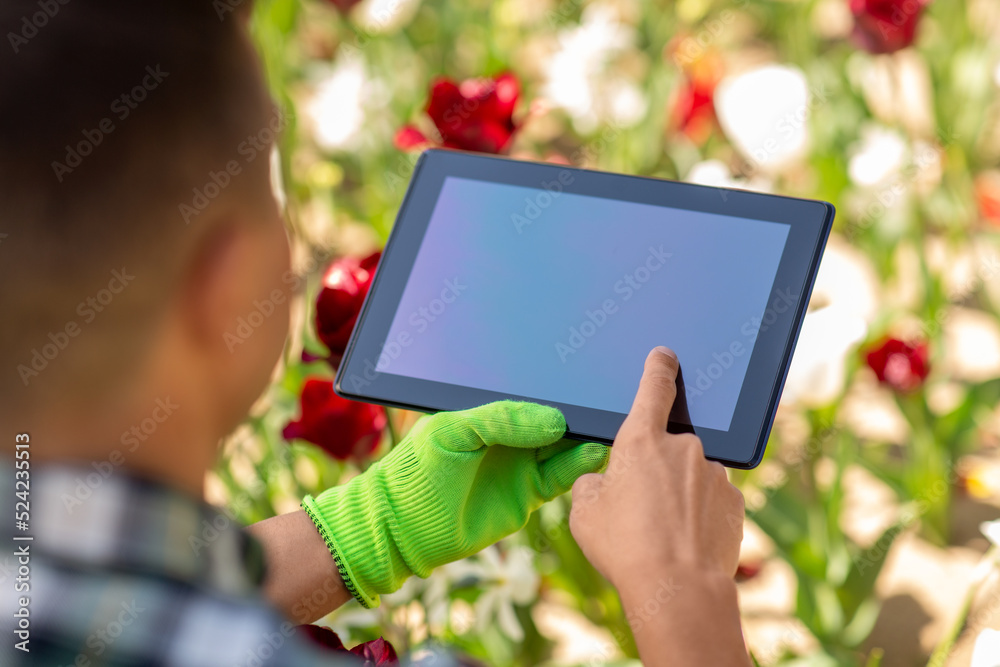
(574, 288)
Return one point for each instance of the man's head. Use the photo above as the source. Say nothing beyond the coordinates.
(136, 208)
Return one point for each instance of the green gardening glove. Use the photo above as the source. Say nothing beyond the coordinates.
(459, 482)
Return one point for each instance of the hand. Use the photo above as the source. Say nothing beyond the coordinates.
(664, 525)
(459, 482)
(660, 496)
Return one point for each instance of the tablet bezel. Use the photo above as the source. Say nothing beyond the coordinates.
(809, 224)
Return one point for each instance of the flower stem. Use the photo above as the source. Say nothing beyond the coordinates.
(391, 427)
(944, 649)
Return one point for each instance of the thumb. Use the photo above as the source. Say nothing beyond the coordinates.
(509, 423)
(558, 473)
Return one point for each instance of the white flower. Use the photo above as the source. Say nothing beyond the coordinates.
(991, 529)
(765, 114)
(336, 111)
(986, 652)
(506, 581)
(575, 78)
(897, 89)
(626, 102)
(385, 16)
(846, 279)
(816, 376)
(877, 157)
(433, 592)
(987, 566)
(845, 302)
(972, 345)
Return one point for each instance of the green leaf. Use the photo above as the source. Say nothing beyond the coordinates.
(859, 627)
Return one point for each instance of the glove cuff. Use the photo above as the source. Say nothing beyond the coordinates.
(316, 510)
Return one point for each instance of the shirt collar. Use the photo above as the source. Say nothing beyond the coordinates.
(109, 519)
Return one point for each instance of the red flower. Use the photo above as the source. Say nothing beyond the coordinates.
(376, 653)
(693, 112)
(474, 115)
(345, 284)
(987, 188)
(344, 429)
(900, 365)
(325, 637)
(885, 26)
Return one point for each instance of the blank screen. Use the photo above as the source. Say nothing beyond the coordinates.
(559, 297)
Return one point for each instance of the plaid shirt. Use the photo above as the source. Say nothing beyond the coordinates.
(125, 572)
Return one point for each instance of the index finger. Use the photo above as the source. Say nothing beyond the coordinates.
(657, 390)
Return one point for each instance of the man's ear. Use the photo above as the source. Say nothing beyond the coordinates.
(235, 308)
(214, 291)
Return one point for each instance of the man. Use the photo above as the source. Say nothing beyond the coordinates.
(138, 226)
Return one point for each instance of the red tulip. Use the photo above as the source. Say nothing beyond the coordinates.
(474, 115)
(900, 365)
(344, 429)
(325, 637)
(345, 284)
(693, 112)
(376, 653)
(987, 189)
(885, 26)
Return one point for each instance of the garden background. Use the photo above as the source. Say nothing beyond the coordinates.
(863, 543)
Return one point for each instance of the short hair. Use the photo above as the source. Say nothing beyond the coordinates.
(114, 112)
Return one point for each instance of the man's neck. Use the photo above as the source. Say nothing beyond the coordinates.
(160, 443)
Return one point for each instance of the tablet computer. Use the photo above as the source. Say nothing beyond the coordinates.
(505, 279)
